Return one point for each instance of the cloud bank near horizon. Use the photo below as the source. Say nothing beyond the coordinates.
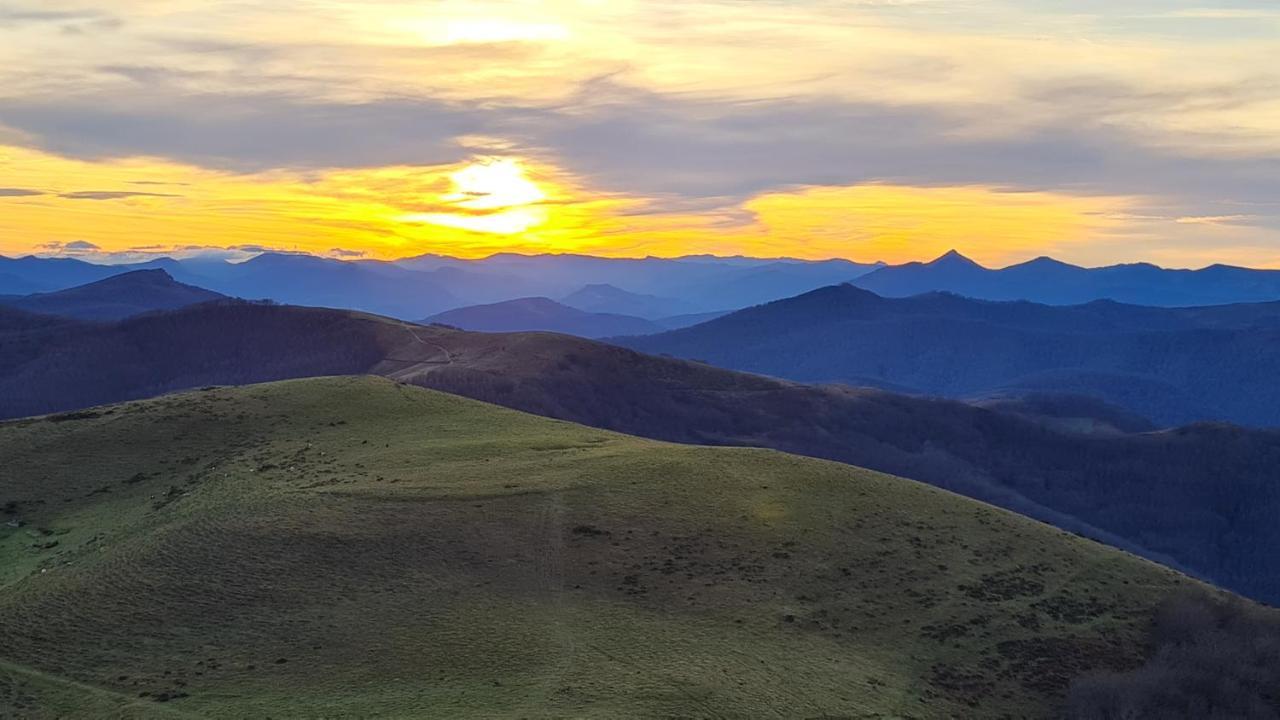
(860, 129)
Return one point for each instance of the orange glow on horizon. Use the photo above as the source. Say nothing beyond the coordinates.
(509, 204)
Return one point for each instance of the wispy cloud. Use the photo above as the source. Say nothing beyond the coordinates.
(110, 195)
(1215, 219)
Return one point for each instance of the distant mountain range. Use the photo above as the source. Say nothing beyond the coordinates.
(115, 298)
(30, 274)
(1048, 281)
(706, 283)
(650, 288)
(1170, 365)
(1072, 463)
(543, 314)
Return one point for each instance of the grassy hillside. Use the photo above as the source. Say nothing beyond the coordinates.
(1160, 494)
(1203, 497)
(353, 547)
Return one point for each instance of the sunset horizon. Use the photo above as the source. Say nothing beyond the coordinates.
(640, 359)
(860, 130)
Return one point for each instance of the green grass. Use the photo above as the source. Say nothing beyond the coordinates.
(354, 548)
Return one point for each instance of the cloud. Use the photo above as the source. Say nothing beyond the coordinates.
(19, 192)
(1214, 219)
(73, 248)
(91, 252)
(647, 103)
(684, 149)
(343, 253)
(110, 195)
(71, 22)
(250, 132)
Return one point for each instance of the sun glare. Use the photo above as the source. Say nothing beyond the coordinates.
(493, 184)
(491, 196)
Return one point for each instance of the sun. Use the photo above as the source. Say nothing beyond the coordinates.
(493, 184)
(493, 195)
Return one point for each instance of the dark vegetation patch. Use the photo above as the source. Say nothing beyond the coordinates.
(1048, 664)
(1211, 659)
(1019, 582)
(1071, 609)
(966, 685)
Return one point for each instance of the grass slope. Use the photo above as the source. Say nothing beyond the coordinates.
(352, 547)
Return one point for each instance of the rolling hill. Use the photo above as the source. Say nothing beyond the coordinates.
(116, 298)
(545, 315)
(352, 547)
(1052, 282)
(1172, 365)
(1203, 498)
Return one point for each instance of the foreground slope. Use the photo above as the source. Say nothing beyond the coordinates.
(352, 547)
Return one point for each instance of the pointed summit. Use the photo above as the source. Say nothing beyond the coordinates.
(953, 258)
(1044, 262)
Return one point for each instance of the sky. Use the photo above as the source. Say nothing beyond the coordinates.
(894, 130)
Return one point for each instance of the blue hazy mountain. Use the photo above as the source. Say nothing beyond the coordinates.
(383, 288)
(428, 284)
(703, 283)
(647, 287)
(605, 298)
(543, 314)
(1173, 365)
(116, 298)
(30, 274)
(1049, 281)
(677, 322)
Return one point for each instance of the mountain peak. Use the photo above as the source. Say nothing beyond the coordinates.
(1044, 262)
(953, 258)
(147, 276)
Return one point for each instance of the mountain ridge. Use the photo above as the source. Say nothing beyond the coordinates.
(1172, 365)
(116, 297)
(1050, 281)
